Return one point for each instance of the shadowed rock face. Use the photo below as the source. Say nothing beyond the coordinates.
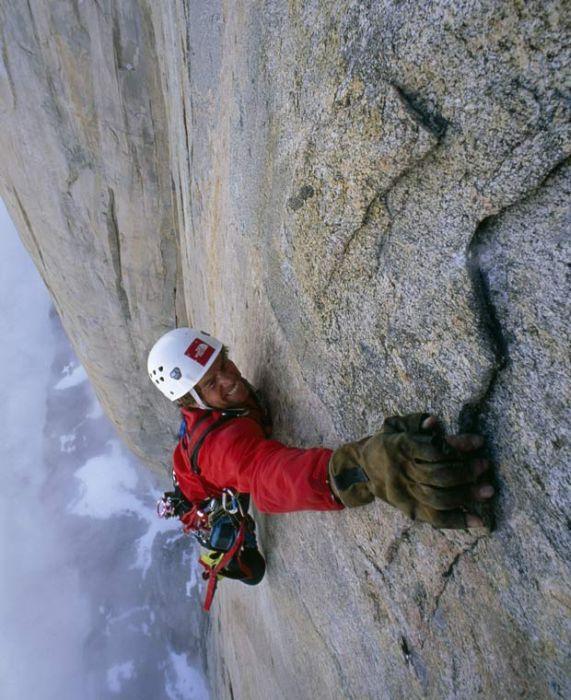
(85, 175)
(367, 201)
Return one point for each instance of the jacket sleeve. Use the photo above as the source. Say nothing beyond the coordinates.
(280, 479)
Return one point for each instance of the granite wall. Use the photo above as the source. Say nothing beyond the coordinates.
(369, 202)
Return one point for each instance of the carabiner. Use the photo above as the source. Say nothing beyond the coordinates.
(234, 502)
(165, 508)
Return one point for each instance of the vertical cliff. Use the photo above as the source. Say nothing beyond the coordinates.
(368, 202)
(85, 175)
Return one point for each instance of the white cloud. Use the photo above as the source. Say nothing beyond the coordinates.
(184, 682)
(106, 485)
(107, 488)
(43, 611)
(67, 442)
(118, 674)
(71, 377)
(95, 411)
(156, 525)
(56, 572)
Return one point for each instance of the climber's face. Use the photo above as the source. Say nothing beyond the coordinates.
(222, 386)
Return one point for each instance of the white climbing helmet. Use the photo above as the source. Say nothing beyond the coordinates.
(179, 359)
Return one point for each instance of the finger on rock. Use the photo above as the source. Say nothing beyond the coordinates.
(467, 442)
(480, 466)
(430, 448)
(483, 492)
(441, 499)
(444, 474)
(429, 423)
(445, 519)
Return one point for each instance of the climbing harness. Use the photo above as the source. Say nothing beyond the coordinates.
(220, 524)
(225, 531)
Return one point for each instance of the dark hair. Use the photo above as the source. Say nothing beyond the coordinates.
(187, 401)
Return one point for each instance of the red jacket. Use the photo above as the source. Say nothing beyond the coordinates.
(238, 455)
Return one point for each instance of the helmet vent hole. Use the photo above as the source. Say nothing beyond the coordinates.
(162, 379)
(160, 369)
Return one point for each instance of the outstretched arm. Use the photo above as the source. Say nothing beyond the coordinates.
(280, 479)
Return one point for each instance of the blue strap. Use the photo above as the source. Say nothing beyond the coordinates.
(182, 429)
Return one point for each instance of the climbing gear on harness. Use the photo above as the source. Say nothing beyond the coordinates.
(250, 559)
(172, 504)
(413, 467)
(220, 524)
(230, 503)
(225, 530)
(178, 361)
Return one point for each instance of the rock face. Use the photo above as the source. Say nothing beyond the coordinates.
(86, 178)
(368, 202)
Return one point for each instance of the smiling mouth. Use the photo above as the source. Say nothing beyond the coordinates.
(233, 390)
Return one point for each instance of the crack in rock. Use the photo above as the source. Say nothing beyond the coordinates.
(470, 414)
(8, 70)
(374, 564)
(414, 662)
(113, 237)
(365, 221)
(27, 222)
(401, 538)
(449, 574)
(427, 119)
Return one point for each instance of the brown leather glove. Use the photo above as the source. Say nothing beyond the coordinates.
(410, 464)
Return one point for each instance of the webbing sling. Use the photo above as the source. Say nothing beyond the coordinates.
(194, 456)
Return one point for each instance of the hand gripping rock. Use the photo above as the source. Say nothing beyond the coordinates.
(411, 465)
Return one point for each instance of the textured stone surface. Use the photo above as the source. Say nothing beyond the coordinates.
(368, 201)
(85, 176)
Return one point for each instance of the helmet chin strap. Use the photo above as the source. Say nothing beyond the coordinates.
(225, 411)
(200, 403)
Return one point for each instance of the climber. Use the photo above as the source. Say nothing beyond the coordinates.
(225, 443)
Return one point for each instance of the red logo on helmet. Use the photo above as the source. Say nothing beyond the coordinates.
(199, 351)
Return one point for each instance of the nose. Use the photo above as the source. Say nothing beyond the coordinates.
(226, 380)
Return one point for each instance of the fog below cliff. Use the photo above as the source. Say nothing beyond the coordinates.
(98, 597)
